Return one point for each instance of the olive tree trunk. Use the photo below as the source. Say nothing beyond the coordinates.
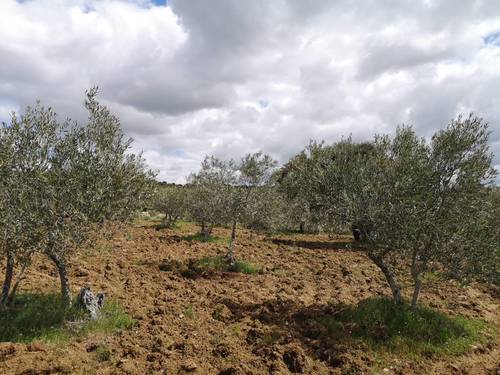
(9, 273)
(416, 271)
(416, 293)
(389, 276)
(63, 277)
(20, 277)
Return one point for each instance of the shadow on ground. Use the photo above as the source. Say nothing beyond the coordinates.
(314, 245)
(341, 335)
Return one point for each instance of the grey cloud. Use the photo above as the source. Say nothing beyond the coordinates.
(191, 78)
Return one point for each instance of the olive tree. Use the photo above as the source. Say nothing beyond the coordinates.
(250, 176)
(300, 183)
(24, 153)
(414, 202)
(171, 201)
(208, 193)
(222, 191)
(84, 175)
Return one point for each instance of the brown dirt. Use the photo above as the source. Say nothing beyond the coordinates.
(242, 324)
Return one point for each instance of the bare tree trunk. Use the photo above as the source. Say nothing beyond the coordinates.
(9, 272)
(63, 277)
(389, 276)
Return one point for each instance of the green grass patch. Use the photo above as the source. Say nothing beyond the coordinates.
(218, 263)
(44, 317)
(401, 330)
(103, 353)
(208, 266)
(198, 237)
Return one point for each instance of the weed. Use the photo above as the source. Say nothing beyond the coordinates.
(103, 354)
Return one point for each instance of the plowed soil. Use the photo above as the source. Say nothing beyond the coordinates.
(230, 323)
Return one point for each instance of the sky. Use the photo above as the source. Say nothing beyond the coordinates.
(227, 77)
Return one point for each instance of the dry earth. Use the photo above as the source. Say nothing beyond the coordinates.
(262, 323)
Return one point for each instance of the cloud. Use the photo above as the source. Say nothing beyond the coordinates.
(189, 78)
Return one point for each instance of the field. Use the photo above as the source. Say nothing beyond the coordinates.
(294, 308)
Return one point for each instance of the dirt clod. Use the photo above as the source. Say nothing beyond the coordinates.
(294, 360)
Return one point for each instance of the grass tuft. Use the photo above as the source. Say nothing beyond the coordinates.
(398, 328)
(247, 268)
(103, 353)
(44, 317)
(219, 263)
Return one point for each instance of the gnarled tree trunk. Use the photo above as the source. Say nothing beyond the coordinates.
(63, 277)
(389, 276)
(20, 277)
(416, 271)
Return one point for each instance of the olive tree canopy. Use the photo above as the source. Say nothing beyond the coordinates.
(80, 175)
(414, 202)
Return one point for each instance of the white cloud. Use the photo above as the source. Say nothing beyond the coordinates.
(230, 77)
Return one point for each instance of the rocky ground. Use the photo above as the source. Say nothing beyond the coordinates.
(231, 324)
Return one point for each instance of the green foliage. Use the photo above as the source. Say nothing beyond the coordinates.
(401, 329)
(227, 192)
(61, 180)
(103, 353)
(409, 201)
(245, 267)
(219, 263)
(172, 201)
(47, 318)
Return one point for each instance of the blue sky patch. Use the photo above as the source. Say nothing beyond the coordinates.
(263, 103)
(492, 39)
(177, 152)
(159, 2)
